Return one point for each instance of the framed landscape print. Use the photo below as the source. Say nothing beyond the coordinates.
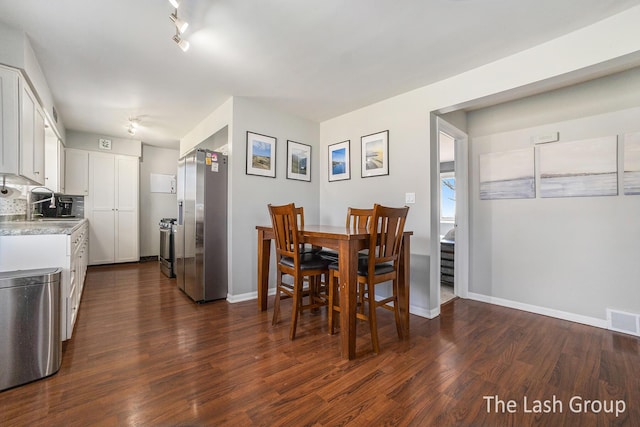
(339, 161)
(632, 164)
(375, 154)
(507, 175)
(298, 161)
(261, 155)
(579, 168)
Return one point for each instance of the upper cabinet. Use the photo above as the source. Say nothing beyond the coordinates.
(54, 162)
(22, 129)
(76, 172)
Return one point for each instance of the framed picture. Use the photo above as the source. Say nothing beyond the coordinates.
(339, 161)
(375, 154)
(582, 168)
(261, 155)
(508, 175)
(298, 161)
(632, 164)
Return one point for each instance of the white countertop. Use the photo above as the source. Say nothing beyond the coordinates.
(22, 228)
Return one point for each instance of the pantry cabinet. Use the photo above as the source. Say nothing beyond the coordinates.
(22, 129)
(112, 208)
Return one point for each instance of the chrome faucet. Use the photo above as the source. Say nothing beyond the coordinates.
(31, 205)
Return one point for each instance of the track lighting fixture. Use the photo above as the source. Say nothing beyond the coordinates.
(179, 23)
(134, 123)
(182, 43)
(181, 27)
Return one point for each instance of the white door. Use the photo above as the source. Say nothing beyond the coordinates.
(38, 145)
(127, 244)
(101, 203)
(28, 133)
(76, 172)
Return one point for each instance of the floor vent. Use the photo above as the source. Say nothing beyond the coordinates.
(620, 321)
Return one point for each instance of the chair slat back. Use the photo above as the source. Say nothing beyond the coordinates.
(386, 233)
(299, 211)
(359, 219)
(284, 221)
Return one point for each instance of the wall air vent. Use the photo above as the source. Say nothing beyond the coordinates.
(620, 321)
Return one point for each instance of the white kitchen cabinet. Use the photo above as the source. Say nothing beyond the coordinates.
(112, 208)
(54, 164)
(66, 251)
(76, 172)
(22, 129)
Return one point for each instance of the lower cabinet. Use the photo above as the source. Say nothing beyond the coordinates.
(67, 251)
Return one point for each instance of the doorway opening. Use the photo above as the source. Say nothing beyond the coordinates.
(447, 216)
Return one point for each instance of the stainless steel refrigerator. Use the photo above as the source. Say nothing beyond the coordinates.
(201, 230)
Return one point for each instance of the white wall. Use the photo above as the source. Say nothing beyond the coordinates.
(577, 255)
(608, 43)
(155, 206)
(249, 195)
(89, 141)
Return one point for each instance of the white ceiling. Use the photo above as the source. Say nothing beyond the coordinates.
(108, 60)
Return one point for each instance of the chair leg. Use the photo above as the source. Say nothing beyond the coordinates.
(332, 299)
(373, 323)
(396, 309)
(276, 303)
(295, 306)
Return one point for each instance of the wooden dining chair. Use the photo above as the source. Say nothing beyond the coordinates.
(357, 220)
(292, 262)
(299, 211)
(386, 228)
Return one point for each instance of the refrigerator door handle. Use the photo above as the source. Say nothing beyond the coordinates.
(180, 213)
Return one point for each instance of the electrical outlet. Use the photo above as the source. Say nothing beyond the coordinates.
(410, 197)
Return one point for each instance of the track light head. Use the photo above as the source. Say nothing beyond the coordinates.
(179, 23)
(134, 124)
(182, 44)
(175, 3)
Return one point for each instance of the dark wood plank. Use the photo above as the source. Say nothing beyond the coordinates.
(144, 354)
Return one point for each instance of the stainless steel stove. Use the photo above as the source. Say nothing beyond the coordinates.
(167, 247)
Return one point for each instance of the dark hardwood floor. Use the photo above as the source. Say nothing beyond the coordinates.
(143, 354)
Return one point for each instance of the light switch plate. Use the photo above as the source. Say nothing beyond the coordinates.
(410, 197)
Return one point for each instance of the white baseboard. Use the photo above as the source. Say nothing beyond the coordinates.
(423, 312)
(247, 297)
(418, 311)
(564, 315)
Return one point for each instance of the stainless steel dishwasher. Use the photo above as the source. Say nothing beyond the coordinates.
(30, 344)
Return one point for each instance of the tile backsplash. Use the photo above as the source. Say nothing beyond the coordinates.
(13, 201)
(13, 206)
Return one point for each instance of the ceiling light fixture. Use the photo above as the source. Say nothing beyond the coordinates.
(182, 43)
(179, 23)
(134, 124)
(181, 27)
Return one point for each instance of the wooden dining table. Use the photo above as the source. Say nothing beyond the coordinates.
(347, 242)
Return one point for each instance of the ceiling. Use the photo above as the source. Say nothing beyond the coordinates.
(106, 61)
